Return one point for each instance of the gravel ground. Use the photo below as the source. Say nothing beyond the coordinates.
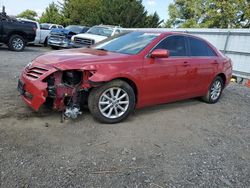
(182, 144)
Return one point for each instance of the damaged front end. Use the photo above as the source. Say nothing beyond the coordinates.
(61, 90)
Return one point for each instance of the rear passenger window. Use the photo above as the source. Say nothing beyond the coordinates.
(200, 48)
(176, 45)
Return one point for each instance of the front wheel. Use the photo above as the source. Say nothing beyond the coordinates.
(112, 102)
(215, 91)
(16, 43)
(55, 47)
(45, 43)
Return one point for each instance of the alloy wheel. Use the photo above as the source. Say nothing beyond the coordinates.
(216, 90)
(114, 103)
(17, 43)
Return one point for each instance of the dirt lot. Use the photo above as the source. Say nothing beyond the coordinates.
(183, 144)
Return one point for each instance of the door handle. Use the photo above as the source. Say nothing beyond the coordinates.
(186, 64)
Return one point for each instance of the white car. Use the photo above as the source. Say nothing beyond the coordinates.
(45, 29)
(94, 35)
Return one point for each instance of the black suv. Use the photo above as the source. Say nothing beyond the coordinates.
(15, 34)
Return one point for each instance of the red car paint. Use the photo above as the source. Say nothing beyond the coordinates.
(157, 80)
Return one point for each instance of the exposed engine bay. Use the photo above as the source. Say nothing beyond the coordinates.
(68, 91)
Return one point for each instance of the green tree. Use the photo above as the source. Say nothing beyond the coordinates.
(65, 11)
(85, 12)
(126, 13)
(209, 14)
(28, 14)
(153, 21)
(52, 15)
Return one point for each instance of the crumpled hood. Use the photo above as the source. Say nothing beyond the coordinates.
(96, 38)
(78, 58)
(62, 32)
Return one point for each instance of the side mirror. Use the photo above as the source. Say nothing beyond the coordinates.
(159, 53)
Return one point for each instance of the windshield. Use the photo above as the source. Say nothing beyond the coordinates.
(131, 43)
(74, 28)
(103, 31)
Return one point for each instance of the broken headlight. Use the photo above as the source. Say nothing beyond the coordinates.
(72, 77)
(28, 65)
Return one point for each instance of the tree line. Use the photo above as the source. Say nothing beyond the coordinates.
(209, 14)
(125, 13)
(132, 13)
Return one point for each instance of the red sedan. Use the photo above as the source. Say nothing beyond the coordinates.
(129, 71)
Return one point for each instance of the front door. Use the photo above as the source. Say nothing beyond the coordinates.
(165, 78)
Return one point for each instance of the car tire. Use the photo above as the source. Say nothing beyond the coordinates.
(215, 90)
(112, 102)
(55, 47)
(45, 44)
(16, 43)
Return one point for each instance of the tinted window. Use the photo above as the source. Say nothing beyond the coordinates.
(176, 45)
(200, 48)
(85, 29)
(45, 26)
(33, 24)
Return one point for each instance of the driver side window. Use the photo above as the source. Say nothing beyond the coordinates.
(176, 45)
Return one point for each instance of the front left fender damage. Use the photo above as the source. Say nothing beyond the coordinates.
(58, 89)
(65, 88)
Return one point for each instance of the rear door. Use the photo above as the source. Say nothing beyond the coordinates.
(4, 29)
(204, 65)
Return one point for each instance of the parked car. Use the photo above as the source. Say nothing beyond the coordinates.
(38, 30)
(61, 38)
(45, 31)
(16, 34)
(127, 71)
(94, 35)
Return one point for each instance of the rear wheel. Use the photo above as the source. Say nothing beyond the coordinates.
(16, 43)
(45, 42)
(112, 102)
(215, 91)
(55, 47)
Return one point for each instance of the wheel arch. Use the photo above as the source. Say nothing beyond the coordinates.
(129, 81)
(22, 34)
(45, 41)
(224, 78)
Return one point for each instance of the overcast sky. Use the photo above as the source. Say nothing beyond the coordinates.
(14, 7)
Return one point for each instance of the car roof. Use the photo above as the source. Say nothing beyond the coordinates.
(151, 31)
(77, 25)
(112, 26)
(162, 32)
(27, 20)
